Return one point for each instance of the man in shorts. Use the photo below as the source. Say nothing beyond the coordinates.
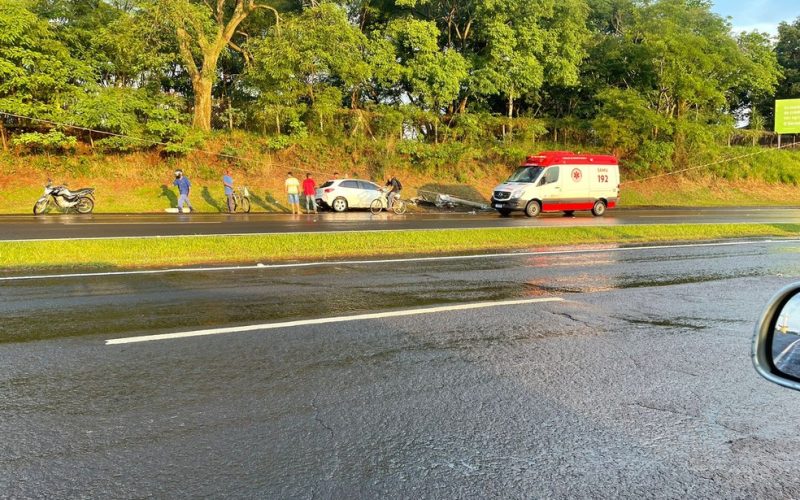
(292, 186)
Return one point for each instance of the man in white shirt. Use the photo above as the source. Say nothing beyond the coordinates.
(293, 191)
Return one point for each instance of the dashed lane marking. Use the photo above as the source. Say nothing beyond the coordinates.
(334, 319)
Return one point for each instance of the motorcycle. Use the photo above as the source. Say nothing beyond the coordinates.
(81, 201)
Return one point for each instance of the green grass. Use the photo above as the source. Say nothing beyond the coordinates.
(194, 250)
(702, 195)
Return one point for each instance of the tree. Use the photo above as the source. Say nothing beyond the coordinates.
(512, 47)
(37, 73)
(430, 78)
(203, 32)
(310, 62)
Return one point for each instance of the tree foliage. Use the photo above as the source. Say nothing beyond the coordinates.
(648, 79)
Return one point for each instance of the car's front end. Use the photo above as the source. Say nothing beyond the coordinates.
(508, 197)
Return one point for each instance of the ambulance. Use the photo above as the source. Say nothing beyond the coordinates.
(560, 181)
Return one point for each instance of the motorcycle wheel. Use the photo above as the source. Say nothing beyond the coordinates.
(40, 206)
(84, 205)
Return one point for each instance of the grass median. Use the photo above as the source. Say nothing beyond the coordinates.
(116, 253)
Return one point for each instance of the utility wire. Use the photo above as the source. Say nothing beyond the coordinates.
(706, 165)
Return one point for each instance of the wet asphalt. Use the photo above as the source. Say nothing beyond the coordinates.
(65, 226)
(638, 384)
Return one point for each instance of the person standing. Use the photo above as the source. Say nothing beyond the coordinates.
(310, 192)
(293, 191)
(184, 186)
(227, 181)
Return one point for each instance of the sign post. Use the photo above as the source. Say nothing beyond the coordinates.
(787, 117)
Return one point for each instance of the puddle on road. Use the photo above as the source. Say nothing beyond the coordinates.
(662, 323)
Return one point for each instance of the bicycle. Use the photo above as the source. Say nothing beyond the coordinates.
(241, 198)
(378, 204)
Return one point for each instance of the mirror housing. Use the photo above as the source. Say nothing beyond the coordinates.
(763, 355)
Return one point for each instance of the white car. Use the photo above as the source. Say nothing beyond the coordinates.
(342, 194)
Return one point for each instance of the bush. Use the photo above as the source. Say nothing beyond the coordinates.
(279, 142)
(53, 141)
(652, 156)
(388, 122)
(193, 140)
(119, 145)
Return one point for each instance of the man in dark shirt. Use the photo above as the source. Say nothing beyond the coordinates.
(394, 190)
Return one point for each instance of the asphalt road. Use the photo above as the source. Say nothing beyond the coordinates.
(14, 227)
(637, 384)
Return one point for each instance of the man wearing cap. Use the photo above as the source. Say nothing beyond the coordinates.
(183, 184)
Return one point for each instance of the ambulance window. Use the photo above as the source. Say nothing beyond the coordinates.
(551, 175)
(525, 174)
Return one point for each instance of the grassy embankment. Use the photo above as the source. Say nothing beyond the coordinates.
(194, 250)
(141, 182)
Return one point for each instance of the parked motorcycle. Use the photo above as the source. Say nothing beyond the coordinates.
(81, 201)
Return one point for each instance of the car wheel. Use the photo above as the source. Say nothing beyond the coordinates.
(599, 208)
(533, 208)
(339, 204)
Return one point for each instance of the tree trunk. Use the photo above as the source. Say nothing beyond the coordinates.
(462, 106)
(510, 115)
(202, 103)
(3, 136)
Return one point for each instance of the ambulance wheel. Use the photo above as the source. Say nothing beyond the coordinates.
(504, 212)
(569, 213)
(533, 208)
(599, 208)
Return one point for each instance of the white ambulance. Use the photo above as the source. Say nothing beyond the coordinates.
(560, 181)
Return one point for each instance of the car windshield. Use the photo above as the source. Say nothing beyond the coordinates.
(525, 174)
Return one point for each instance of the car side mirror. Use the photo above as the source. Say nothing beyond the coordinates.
(776, 346)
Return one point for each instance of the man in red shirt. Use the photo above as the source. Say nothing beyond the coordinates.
(310, 191)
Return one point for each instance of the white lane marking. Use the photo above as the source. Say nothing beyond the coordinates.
(584, 222)
(163, 223)
(786, 351)
(291, 232)
(334, 319)
(400, 260)
(674, 216)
